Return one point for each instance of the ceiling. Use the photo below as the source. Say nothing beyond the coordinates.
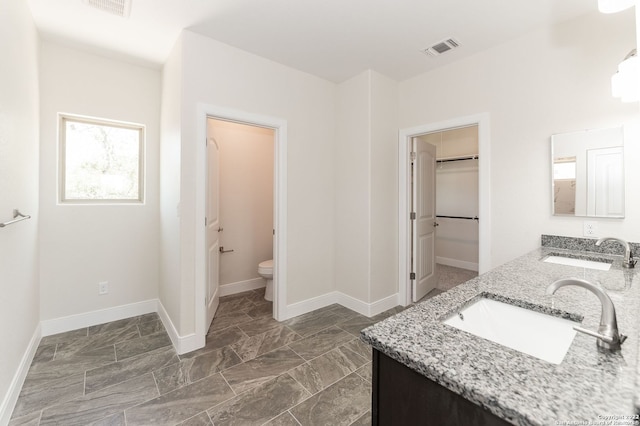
(332, 39)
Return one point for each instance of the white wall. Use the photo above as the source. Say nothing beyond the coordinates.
(170, 156)
(246, 198)
(217, 74)
(549, 81)
(19, 298)
(366, 182)
(352, 164)
(82, 245)
(384, 187)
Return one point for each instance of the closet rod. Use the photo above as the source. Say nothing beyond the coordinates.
(468, 157)
(461, 217)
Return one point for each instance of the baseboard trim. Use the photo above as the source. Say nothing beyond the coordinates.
(363, 308)
(240, 286)
(11, 397)
(312, 304)
(382, 305)
(354, 304)
(191, 342)
(87, 319)
(457, 263)
(367, 309)
(182, 344)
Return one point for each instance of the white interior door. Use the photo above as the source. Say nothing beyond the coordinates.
(424, 218)
(213, 229)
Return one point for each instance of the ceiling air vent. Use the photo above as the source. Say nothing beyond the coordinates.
(116, 7)
(441, 47)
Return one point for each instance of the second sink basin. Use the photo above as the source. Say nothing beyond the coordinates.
(583, 263)
(540, 335)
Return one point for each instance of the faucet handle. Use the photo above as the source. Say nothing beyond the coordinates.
(613, 341)
(606, 339)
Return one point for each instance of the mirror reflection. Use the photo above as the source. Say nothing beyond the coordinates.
(588, 173)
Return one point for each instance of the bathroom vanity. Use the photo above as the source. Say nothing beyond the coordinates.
(428, 372)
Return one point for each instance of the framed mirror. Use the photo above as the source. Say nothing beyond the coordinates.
(587, 170)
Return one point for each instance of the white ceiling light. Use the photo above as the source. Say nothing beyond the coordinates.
(116, 7)
(625, 84)
(613, 6)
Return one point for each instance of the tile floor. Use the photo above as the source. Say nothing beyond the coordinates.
(308, 370)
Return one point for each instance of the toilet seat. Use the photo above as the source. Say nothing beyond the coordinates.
(266, 267)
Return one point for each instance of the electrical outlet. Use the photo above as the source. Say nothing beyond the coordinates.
(103, 287)
(590, 228)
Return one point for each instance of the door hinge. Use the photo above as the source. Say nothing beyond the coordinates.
(412, 276)
(205, 221)
(412, 155)
(412, 216)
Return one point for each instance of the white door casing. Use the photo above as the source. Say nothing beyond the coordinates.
(213, 228)
(424, 217)
(404, 194)
(204, 111)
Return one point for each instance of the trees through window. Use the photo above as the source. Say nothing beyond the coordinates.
(100, 161)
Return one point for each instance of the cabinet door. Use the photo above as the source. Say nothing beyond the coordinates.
(403, 397)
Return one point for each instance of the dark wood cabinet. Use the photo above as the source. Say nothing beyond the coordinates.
(402, 396)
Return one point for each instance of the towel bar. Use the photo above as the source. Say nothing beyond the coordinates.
(17, 217)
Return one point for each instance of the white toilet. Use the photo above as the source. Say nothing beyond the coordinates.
(265, 270)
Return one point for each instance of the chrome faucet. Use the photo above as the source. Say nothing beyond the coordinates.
(607, 334)
(629, 261)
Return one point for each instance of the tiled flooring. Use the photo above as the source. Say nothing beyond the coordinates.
(308, 370)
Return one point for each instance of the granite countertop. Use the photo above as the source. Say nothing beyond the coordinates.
(587, 386)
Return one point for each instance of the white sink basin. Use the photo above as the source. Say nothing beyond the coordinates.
(583, 263)
(540, 335)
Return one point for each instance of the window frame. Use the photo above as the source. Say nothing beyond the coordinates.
(63, 118)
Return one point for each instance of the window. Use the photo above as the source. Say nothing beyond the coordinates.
(101, 161)
(564, 168)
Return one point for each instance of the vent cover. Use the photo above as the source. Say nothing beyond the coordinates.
(441, 47)
(115, 7)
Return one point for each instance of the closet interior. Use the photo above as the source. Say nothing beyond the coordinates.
(456, 196)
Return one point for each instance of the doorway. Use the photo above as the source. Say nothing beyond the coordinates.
(279, 232)
(457, 216)
(240, 203)
(464, 212)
